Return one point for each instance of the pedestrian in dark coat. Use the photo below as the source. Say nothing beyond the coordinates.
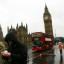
(18, 50)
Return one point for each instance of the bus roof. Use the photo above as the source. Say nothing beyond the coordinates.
(39, 34)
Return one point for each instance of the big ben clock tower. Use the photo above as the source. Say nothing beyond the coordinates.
(47, 22)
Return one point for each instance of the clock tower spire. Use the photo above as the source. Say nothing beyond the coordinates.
(46, 9)
(47, 21)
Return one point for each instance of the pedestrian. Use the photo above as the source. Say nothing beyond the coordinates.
(60, 47)
(17, 51)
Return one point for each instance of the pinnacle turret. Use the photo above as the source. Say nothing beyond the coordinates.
(11, 26)
(17, 26)
(21, 24)
(8, 29)
(1, 34)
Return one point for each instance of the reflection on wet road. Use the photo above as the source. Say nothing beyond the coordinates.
(47, 58)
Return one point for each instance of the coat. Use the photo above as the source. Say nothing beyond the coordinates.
(17, 49)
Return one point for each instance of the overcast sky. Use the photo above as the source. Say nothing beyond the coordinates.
(30, 12)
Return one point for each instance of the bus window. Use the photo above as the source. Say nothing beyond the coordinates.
(37, 42)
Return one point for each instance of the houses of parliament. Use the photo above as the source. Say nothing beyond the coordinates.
(22, 31)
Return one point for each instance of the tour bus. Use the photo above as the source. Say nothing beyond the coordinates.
(41, 41)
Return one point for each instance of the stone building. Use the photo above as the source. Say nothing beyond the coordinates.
(47, 21)
(22, 34)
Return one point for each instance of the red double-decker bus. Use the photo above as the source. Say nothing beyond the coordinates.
(41, 41)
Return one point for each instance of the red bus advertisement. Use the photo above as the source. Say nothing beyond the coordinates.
(41, 41)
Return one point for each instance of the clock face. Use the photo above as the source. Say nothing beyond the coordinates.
(46, 17)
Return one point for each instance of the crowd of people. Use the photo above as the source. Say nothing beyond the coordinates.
(15, 52)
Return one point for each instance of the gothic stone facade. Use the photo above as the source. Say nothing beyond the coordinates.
(22, 34)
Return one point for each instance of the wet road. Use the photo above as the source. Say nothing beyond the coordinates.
(59, 59)
(55, 58)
